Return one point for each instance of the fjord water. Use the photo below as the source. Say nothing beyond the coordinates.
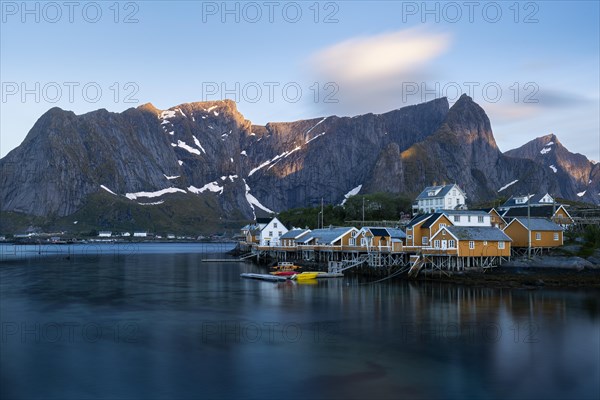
(153, 321)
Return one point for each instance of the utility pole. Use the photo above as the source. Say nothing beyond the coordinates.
(529, 226)
(363, 211)
(322, 225)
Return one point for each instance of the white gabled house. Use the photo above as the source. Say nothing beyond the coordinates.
(434, 198)
(272, 232)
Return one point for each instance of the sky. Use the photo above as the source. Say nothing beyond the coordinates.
(534, 66)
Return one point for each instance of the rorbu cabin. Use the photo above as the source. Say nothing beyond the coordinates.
(379, 238)
(557, 214)
(420, 229)
(470, 241)
(542, 233)
(290, 238)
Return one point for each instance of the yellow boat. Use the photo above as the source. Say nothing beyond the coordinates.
(305, 276)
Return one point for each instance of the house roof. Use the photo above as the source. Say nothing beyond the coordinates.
(546, 211)
(391, 232)
(538, 224)
(378, 231)
(478, 233)
(431, 221)
(396, 233)
(326, 235)
(442, 191)
(534, 200)
(417, 219)
(294, 233)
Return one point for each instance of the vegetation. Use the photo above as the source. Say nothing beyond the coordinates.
(377, 207)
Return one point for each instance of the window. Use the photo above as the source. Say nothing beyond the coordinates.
(442, 226)
(452, 244)
(471, 245)
(436, 244)
(556, 236)
(352, 242)
(501, 245)
(274, 224)
(485, 242)
(468, 218)
(409, 237)
(454, 192)
(363, 241)
(457, 202)
(279, 233)
(270, 233)
(424, 240)
(480, 219)
(457, 218)
(538, 236)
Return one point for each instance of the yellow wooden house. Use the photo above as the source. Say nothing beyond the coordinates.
(542, 232)
(421, 228)
(470, 241)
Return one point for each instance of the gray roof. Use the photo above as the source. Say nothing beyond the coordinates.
(539, 224)
(294, 233)
(391, 232)
(533, 201)
(396, 233)
(478, 233)
(443, 191)
(325, 236)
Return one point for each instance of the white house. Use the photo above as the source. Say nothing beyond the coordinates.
(445, 197)
(272, 232)
(468, 218)
(104, 234)
(140, 234)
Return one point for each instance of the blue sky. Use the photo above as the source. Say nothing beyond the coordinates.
(538, 61)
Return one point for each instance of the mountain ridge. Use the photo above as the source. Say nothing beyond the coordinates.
(210, 150)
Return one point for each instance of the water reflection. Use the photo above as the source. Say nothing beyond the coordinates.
(164, 325)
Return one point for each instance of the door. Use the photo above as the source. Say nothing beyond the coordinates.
(444, 244)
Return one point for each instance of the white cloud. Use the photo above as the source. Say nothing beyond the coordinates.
(370, 70)
(380, 57)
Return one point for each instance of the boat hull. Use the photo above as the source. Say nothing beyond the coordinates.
(264, 277)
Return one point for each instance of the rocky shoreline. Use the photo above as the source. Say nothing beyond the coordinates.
(537, 272)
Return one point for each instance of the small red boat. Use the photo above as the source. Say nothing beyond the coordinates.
(284, 273)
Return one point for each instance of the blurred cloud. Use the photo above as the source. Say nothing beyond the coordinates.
(371, 71)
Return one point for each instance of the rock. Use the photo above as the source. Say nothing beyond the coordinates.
(65, 159)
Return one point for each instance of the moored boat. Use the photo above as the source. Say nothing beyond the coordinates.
(285, 269)
(305, 276)
(264, 277)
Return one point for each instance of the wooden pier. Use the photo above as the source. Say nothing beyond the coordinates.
(411, 260)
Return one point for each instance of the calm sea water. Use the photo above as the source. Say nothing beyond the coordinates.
(154, 321)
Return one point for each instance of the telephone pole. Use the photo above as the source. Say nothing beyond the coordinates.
(529, 226)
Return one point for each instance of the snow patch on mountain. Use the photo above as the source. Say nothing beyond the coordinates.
(108, 190)
(158, 193)
(351, 193)
(507, 185)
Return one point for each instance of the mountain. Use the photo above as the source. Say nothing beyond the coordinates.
(576, 175)
(203, 165)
